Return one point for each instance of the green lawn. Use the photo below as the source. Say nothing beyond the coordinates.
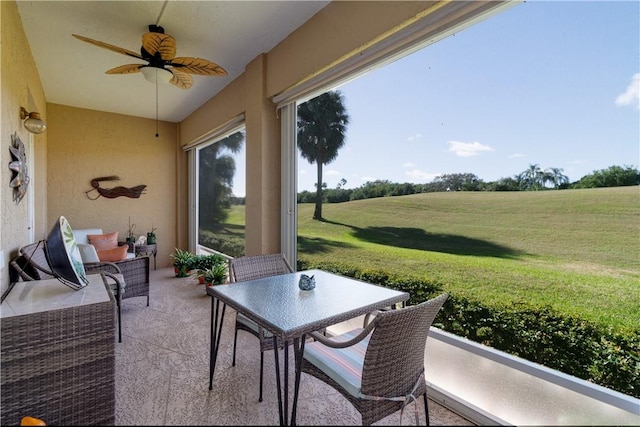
(577, 251)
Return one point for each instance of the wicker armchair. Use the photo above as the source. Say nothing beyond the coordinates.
(32, 264)
(249, 268)
(128, 278)
(379, 368)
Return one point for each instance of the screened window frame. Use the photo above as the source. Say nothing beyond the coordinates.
(232, 126)
(441, 20)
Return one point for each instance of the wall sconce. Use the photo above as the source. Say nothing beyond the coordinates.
(33, 122)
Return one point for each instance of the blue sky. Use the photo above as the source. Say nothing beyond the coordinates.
(548, 83)
(552, 83)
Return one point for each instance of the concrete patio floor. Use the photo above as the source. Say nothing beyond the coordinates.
(162, 370)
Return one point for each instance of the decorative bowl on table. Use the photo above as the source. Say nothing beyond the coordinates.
(306, 283)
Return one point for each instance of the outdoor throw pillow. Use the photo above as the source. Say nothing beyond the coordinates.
(104, 241)
(112, 255)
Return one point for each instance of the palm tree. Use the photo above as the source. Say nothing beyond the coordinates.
(557, 177)
(216, 179)
(322, 126)
(532, 178)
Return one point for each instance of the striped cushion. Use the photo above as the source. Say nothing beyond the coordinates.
(343, 365)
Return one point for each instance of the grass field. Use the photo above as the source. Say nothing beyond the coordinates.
(577, 251)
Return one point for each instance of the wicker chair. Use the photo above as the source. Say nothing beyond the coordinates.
(128, 278)
(379, 368)
(249, 268)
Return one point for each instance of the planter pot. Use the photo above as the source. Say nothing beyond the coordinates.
(215, 284)
(181, 271)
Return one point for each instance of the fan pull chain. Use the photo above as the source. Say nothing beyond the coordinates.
(156, 106)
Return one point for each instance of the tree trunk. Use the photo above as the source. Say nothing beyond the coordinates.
(317, 213)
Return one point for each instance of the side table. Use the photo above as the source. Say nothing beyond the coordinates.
(58, 353)
(148, 250)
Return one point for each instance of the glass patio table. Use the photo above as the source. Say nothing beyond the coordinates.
(278, 305)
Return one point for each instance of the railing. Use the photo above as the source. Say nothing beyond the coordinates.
(491, 387)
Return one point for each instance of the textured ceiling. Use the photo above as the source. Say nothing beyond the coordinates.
(229, 33)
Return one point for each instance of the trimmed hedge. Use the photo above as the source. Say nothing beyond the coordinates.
(538, 334)
(222, 243)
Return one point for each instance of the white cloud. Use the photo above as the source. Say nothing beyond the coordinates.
(421, 176)
(467, 149)
(409, 165)
(632, 95)
(331, 172)
(414, 137)
(368, 178)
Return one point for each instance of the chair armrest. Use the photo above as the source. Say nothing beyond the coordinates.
(19, 265)
(369, 316)
(136, 275)
(333, 343)
(98, 267)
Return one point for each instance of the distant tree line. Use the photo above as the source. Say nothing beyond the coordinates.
(532, 179)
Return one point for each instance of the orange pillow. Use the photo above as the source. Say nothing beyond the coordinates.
(104, 241)
(112, 255)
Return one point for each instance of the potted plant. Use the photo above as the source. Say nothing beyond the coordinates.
(202, 263)
(216, 275)
(182, 262)
(151, 236)
(131, 238)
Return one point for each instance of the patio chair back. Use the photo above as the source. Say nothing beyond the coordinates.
(379, 369)
(258, 266)
(250, 268)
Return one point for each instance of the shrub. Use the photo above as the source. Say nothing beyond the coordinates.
(538, 334)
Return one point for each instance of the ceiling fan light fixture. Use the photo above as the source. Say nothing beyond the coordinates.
(155, 74)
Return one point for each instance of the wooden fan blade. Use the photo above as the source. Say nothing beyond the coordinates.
(108, 46)
(161, 43)
(126, 69)
(181, 79)
(199, 66)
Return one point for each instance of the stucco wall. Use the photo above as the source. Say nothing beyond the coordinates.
(86, 144)
(20, 86)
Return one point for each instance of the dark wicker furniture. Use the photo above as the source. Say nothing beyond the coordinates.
(249, 268)
(131, 274)
(58, 364)
(379, 368)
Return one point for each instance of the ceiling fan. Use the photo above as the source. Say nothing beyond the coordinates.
(159, 50)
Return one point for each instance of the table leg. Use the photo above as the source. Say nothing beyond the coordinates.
(286, 383)
(216, 332)
(283, 396)
(298, 349)
(276, 352)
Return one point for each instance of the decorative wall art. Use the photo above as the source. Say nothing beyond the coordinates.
(112, 193)
(18, 165)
